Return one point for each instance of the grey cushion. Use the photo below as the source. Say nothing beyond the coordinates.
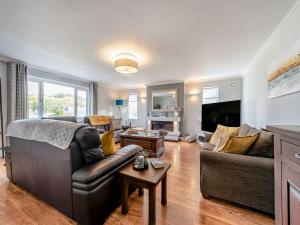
(244, 129)
(263, 146)
(92, 155)
(87, 137)
(253, 131)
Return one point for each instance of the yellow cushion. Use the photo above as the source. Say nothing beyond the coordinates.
(222, 129)
(222, 141)
(239, 145)
(108, 143)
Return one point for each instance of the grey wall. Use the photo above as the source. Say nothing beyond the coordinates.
(106, 100)
(3, 76)
(177, 86)
(193, 99)
(258, 110)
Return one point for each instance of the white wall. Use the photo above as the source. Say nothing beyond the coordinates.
(193, 103)
(142, 106)
(106, 100)
(258, 110)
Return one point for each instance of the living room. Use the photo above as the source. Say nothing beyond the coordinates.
(169, 112)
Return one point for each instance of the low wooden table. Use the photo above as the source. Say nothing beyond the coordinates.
(153, 144)
(148, 179)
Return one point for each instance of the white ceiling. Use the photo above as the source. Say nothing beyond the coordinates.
(174, 39)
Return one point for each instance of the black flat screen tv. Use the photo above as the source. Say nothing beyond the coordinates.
(224, 113)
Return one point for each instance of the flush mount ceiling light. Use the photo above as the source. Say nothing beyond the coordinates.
(126, 63)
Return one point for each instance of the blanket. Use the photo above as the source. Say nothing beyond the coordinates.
(54, 132)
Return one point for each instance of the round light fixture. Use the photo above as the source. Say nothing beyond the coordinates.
(126, 63)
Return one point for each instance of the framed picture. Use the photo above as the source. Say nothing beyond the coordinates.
(286, 79)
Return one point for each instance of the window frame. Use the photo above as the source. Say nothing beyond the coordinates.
(41, 82)
(212, 98)
(137, 98)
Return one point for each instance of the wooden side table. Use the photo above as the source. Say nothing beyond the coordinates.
(148, 179)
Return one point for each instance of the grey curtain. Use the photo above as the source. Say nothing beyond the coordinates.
(16, 92)
(94, 98)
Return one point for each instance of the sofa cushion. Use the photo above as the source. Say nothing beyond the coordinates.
(87, 137)
(92, 155)
(264, 145)
(91, 172)
(239, 145)
(244, 129)
(220, 130)
(108, 143)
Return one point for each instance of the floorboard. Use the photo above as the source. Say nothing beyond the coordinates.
(185, 205)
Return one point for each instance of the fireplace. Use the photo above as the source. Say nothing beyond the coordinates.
(165, 125)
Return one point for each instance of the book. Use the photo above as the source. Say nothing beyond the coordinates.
(157, 163)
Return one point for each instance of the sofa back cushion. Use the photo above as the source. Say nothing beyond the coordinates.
(263, 146)
(221, 130)
(89, 140)
(239, 145)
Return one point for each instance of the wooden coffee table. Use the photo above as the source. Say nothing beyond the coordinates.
(151, 143)
(148, 179)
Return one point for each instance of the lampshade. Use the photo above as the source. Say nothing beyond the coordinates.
(120, 102)
(126, 63)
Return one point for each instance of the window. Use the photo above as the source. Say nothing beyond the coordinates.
(210, 95)
(50, 99)
(58, 100)
(132, 106)
(81, 103)
(33, 99)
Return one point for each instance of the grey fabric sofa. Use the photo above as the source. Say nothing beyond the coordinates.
(84, 192)
(243, 179)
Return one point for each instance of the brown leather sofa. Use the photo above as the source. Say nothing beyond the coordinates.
(84, 192)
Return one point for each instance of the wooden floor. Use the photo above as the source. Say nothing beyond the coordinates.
(185, 203)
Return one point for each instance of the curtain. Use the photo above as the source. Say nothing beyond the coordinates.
(94, 98)
(16, 92)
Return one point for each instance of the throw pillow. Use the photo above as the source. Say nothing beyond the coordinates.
(220, 130)
(222, 141)
(108, 143)
(239, 145)
(87, 137)
(263, 146)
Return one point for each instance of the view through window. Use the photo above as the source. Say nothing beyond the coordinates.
(33, 99)
(56, 99)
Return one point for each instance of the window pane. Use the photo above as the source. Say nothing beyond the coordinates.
(81, 103)
(132, 98)
(33, 99)
(58, 100)
(132, 106)
(210, 95)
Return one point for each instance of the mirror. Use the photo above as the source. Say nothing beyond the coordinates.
(165, 100)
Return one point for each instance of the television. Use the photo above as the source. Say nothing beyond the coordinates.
(224, 113)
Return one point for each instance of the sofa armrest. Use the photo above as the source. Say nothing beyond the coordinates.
(246, 180)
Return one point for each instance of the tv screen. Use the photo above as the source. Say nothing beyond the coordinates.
(224, 113)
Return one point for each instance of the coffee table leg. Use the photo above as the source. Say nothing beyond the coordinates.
(140, 191)
(125, 197)
(164, 190)
(152, 196)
